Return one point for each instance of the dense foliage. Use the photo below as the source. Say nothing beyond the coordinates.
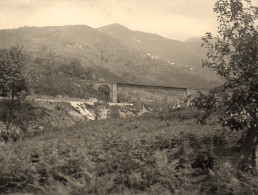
(146, 155)
(15, 78)
(233, 54)
(62, 76)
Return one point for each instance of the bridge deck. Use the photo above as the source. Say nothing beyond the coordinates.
(151, 86)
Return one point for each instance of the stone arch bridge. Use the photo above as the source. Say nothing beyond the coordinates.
(113, 88)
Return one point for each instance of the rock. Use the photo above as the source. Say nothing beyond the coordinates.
(88, 113)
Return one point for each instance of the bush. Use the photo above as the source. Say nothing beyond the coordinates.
(59, 77)
(181, 114)
(25, 113)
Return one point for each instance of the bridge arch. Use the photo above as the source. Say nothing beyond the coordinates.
(105, 90)
(111, 86)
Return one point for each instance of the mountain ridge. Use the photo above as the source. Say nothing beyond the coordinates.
(186, 55)
(106, 53)
(153, 43)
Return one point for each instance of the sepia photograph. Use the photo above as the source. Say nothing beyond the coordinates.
(126, 97)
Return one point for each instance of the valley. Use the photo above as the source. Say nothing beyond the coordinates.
(111, 110)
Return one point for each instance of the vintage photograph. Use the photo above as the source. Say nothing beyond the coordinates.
(128, 97)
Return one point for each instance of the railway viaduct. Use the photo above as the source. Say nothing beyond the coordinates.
(113, 88)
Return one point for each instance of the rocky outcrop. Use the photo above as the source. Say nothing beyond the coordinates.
(101, 110)
(83, 111)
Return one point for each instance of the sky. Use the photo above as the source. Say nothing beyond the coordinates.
(174, 19)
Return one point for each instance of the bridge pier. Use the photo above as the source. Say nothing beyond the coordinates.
(113, 93)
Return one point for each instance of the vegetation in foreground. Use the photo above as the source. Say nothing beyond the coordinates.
(150, 154)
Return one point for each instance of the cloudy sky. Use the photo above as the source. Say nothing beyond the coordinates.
(175, 19)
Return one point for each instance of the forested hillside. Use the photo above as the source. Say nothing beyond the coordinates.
(109, 57)
(186, 56)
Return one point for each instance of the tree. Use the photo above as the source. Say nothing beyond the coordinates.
(14, 77)
(233, 55)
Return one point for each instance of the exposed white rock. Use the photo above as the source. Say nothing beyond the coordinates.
(84, 111)
(102, 111)
(144, 110)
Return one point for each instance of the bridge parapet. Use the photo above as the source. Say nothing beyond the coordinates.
(151, 86)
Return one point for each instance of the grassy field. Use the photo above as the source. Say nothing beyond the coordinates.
(151, 154)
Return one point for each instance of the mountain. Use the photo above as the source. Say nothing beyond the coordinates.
(116, 53)
(194, 40)
(195, 44)
(186, 55)
(172, 50)
(93, 48)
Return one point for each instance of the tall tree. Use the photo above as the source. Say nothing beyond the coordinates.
(14, 77)
(233, 55)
